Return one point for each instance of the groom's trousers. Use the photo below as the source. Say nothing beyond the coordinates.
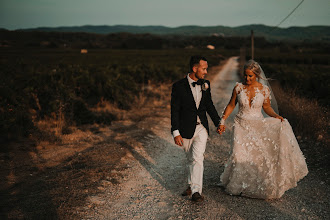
(195, 148)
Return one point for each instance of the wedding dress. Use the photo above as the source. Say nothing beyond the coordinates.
(266, 159)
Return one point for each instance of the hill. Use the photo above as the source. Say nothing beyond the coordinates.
(311, 33)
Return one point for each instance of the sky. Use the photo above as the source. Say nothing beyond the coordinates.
(18, 14)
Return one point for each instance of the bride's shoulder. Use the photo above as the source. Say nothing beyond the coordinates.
(238, 84)
(266, 91)
(265, 87)
(238, 87)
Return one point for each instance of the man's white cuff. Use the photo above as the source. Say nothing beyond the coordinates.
(176, 133)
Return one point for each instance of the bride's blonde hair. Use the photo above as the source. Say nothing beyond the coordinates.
(254, 67)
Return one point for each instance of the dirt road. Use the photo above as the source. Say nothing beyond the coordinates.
(151, 184)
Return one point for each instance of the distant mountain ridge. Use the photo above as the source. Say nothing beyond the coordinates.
(313, 33)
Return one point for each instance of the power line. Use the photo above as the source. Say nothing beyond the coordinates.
(288, 15)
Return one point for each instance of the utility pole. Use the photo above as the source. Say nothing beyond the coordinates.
(252, 45)
(242, 60)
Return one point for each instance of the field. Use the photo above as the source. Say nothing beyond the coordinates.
(304, 70)
(53, 97)
(64, 84)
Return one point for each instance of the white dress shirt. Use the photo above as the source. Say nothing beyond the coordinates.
(197, 93)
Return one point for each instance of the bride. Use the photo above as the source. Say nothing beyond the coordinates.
(266, 159)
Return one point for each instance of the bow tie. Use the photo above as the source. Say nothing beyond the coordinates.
(199, 82)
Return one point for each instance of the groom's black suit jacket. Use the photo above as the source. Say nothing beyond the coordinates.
(184, 112)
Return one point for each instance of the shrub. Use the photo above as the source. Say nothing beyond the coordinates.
(64, 84)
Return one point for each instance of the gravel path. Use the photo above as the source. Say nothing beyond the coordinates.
(151, 185)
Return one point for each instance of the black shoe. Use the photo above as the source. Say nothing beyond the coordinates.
(196, 197)
(187, 192)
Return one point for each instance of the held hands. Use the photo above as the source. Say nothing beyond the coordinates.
(221, 129)
(178, 140)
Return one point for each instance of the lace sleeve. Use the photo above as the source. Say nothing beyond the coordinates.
(267, 94)
(238, 87)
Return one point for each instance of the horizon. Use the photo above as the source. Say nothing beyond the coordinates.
(129, 25)
(15, 14)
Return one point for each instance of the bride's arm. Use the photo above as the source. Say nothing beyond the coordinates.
(231, 105)
(269, 110)
(228, 110)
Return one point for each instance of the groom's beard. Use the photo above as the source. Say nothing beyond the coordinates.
(200, 78)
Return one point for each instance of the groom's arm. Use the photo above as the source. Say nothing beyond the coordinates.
(175, 113)
(175, 108)
(210, 108)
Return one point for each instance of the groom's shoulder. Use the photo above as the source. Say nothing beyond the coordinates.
(180, 82)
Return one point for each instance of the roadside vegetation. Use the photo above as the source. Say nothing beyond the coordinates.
(64, 85)
(45, 75)
(56, 104)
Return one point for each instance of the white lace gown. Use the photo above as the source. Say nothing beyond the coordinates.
(266, 159)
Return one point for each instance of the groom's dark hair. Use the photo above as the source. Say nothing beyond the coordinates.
(195, 60)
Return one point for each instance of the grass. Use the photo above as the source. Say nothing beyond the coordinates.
(307, 117)
(64, 85)
(52, 173)
(55, 179)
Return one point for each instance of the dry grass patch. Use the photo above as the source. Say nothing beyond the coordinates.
(306, 116)
(52, 174)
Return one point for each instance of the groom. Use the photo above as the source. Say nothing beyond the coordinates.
(190, 100)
